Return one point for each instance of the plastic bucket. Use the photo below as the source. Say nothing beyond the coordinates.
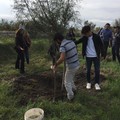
(34, 114)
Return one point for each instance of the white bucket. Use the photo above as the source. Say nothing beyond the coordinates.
(34, 114)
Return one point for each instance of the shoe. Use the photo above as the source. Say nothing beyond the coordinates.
(70, 97)
(88, 86)
(16, 67)
(22, 71)
(74, 90)
(97, 87)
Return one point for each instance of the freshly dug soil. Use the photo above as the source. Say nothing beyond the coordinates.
(34, 86)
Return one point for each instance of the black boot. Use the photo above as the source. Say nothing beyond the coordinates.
(22, 71)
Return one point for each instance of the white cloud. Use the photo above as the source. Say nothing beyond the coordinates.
(6, 11)
(6, 2)
(100, 11)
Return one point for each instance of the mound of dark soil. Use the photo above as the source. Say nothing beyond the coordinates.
(34, 86)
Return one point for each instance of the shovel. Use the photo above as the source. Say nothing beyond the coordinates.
(63, 78)
(54, 90)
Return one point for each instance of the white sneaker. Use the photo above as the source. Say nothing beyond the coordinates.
(88, 86)
(97, 87)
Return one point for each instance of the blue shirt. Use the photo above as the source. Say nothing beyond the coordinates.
(107, 34)
(71, 55)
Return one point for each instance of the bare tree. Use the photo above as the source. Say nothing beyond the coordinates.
(49, 16)
(91, 24)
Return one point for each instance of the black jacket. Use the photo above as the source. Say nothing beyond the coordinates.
(117, 38)
(97, 43)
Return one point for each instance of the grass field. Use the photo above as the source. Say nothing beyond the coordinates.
(87, 105)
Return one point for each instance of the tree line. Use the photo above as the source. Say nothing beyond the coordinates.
(47, 16)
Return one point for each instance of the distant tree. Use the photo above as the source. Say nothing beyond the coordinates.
(4, 25)
(91, 24)
(49, 16)
(116, 22)
(8, 25)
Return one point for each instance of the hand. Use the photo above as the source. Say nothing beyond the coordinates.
(21, 48)
(53, 67)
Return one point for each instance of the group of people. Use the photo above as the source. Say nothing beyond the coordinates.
(94, 46)
(22, 44)
(111, 38)
(92, 49)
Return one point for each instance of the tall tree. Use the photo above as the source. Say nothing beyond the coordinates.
(48, 16)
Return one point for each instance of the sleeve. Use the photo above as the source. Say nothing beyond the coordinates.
(102, 51)
(17, 41)
(62, 49)
(79, 41)
(111, 36)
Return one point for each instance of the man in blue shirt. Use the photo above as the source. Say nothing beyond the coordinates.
(106, 37)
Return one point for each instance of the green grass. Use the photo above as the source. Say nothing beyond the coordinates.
(88, 105)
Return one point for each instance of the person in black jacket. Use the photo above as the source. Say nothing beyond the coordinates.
(53, 52)
(70, 35)
(20, 47)
(92, 48)
(116, 44)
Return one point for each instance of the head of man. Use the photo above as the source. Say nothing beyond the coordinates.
(58, 38)
(86, 31)
(107, 26)
(116, 29)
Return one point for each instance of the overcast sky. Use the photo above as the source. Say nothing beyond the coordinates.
(6, 11)
(100, 11)
(97, 11)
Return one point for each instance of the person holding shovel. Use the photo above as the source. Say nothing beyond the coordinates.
(68, 53)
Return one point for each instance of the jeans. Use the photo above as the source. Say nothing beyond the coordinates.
(106, 44)
(113, 53)
(116, 52)
(96, 62)
(69, 82)
(20, 61)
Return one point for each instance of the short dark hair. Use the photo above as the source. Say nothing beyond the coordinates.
(108, 24)
(118, 27)
(58, 36)
(86, 29)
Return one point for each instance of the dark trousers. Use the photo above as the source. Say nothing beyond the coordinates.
(20, 61)
(116, 52)
(113, 53)
(106, 44)
(26, 52)
(96, 62)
